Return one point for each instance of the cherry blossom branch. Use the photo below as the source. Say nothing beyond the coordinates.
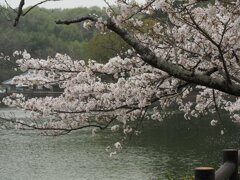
(110, 7)
(231, 76)
(175, 70)
(172, 69)
(218, 45)
(140, 10)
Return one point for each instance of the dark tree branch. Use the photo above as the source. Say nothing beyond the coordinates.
(67, 22)
(58, 129)
(19, 12)
(237, 58)
(211, 71)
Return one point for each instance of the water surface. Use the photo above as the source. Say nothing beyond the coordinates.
(174, 147)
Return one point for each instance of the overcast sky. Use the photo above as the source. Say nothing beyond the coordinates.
(61, 4)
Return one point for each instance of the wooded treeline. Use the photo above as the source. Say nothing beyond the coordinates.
(41, 37)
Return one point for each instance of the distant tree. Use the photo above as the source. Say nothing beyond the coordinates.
(104, 46)
(38, 33)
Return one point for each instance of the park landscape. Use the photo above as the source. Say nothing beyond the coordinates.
(132, 90)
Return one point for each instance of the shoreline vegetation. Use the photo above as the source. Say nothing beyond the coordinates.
(41, 37)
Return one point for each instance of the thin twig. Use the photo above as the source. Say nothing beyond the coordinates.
(10, 6)
(36, 6)
(216, 107)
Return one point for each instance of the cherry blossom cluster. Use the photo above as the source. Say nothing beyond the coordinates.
(118, 93)
(201, 38)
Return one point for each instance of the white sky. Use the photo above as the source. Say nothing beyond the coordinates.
(61, 4)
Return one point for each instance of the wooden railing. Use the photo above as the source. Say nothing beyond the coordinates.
(227, 171)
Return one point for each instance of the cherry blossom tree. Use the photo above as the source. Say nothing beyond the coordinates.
(192, 48)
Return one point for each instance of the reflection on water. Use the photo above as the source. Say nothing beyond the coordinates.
(174, 146)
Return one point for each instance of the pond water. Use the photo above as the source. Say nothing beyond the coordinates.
(173, 147)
